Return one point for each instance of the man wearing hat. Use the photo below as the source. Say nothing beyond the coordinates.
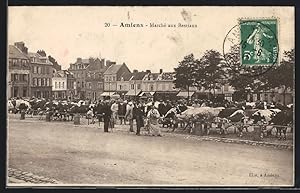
(106, 115)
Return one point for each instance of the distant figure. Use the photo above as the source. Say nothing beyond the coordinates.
(138, 114)
(129, 115)
(114, 110)
(153, 116)
(122, 112)
(106, 112)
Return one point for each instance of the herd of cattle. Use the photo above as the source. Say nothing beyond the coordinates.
(220, 119)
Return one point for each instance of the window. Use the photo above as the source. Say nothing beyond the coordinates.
(35, 69)
(25, 77)
(82, 84)
(120, 87)
(132, 86)
(39, 70)
(43, 83)
(15, 62)
(139, 86)
(58, 84)
(63, 84)
(151, 88)
(24, 92)
(34, 82)
(39, 82)
(99, 85)
(16, 77)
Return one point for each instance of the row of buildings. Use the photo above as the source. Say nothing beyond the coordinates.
(34, 75)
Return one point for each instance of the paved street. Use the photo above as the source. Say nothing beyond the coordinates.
(85, 155)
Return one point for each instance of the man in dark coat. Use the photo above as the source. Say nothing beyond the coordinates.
(99, 111)
(106, 112)
(138, 114)
(162, 108)
(122, 112)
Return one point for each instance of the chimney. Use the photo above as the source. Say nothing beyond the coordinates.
(135, 71)
(148, 71)
(160, 71)
(79, 60)
(21, 46)
(109, 63)
(91, 60)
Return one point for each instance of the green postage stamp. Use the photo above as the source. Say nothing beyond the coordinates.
(259, 44)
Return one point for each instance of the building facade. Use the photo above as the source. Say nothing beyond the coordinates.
(277, 95)
(95, 79)
(114, 75)
(79, 70)
(41, 76)
(18, 71)
(63, 86)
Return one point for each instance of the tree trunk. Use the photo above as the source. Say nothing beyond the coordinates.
(214, 90)
(284, 91)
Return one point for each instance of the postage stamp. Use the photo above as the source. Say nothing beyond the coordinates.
(259, 45)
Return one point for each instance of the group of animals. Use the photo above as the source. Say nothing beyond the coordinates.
(241, 120)
(220, 118)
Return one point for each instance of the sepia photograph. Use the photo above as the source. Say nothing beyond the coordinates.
(150, 96)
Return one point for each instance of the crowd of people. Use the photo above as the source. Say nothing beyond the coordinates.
(146, 114)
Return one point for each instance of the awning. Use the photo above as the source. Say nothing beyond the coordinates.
(146, 94)
(185, 94)
(107, 94)
(133, 93)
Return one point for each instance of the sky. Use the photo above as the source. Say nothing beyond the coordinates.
(67, 33)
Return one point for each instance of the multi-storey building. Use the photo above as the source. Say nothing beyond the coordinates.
(162, 84)
(276, 95)
(41, 76)
(123, 85)
(95, 79)
(63, 85)
(135, 84)
(112, 77)
(18, 71)
(79, 70)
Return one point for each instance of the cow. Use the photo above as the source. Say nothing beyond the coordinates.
(281, 121)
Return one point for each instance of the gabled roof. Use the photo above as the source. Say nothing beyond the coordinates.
(113, 69)
(138, 75)
(96, 66)
(154, 76)
(39, 57)
(33, 54)
(126, 76)
(14, 52)
(62, 73)
(167, 76)
(85, 61)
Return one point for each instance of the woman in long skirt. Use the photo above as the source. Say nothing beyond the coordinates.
(153, 116)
